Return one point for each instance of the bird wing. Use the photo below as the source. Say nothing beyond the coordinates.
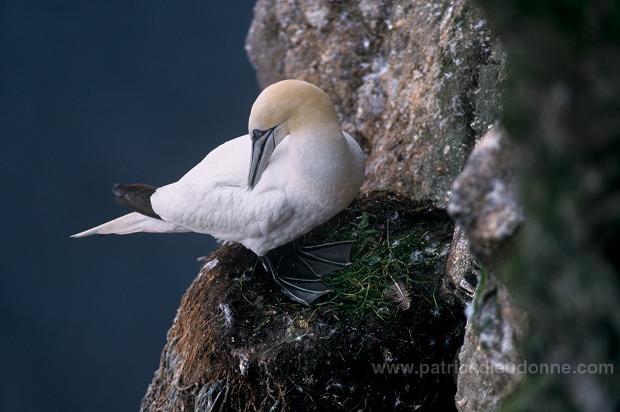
(224, 211)
(213, 197)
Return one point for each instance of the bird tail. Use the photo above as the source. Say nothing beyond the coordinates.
(132, 223)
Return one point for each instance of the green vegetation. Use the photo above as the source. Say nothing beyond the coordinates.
(395, 263)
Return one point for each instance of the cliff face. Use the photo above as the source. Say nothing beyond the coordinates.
(417, 83)
(420, 85)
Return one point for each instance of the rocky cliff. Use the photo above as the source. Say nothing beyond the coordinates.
(524, 271)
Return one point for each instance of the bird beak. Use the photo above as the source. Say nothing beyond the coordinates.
(263, 145)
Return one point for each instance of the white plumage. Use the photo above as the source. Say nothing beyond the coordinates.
(314, 171)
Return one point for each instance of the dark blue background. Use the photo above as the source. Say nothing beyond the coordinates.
(92, 93)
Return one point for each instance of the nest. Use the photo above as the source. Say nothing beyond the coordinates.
(383, 339)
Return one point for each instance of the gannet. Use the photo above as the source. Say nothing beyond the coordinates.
(294, 170)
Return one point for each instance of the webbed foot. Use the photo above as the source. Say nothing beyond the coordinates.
(298, 270)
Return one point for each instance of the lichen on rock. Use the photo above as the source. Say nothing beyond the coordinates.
(487, 212)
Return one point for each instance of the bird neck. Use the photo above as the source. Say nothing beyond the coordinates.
(317, 147)
(319, 155)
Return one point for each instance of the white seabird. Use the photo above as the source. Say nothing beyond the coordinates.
(293, 171)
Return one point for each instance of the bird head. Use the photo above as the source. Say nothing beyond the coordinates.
(282, 109)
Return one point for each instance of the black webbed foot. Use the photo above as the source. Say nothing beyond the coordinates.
(297, 270)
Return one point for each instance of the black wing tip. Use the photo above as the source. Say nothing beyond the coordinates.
(136, 197)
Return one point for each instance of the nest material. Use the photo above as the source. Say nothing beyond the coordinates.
(238, 344)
